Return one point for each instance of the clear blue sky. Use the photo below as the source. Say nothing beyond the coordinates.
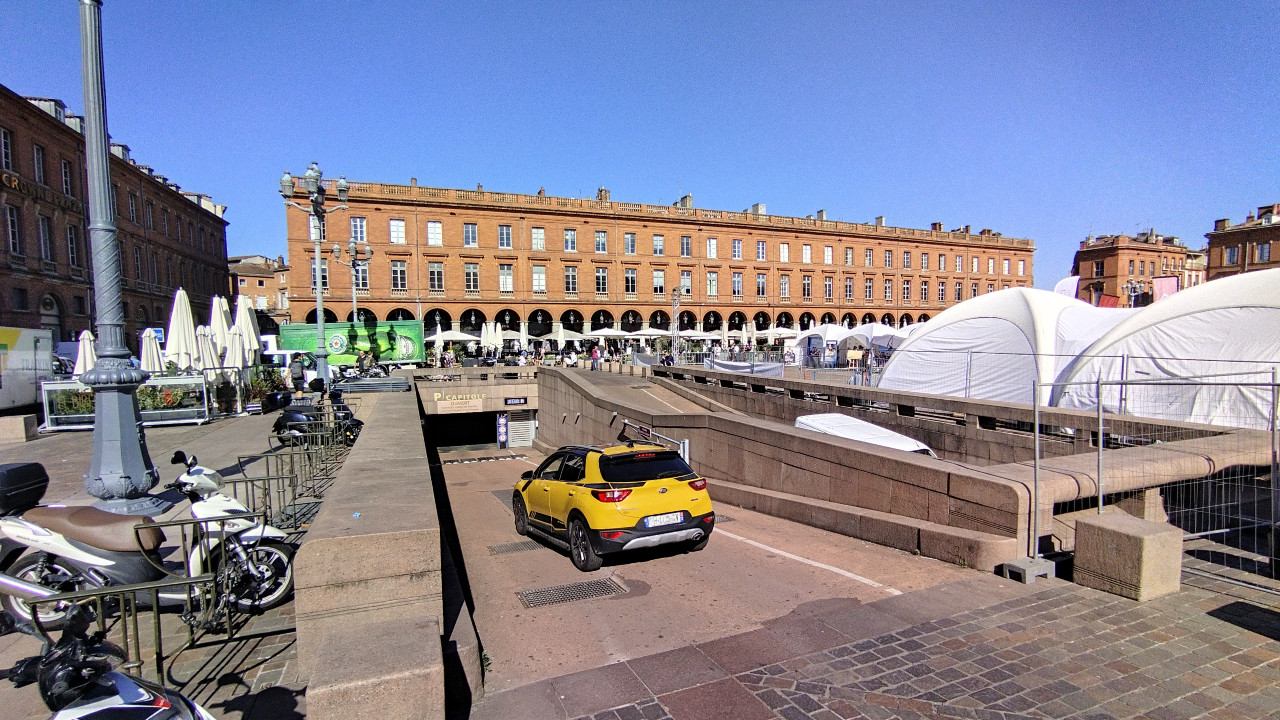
(1041, 120)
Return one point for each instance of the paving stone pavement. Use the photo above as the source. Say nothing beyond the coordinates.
(1057, 651)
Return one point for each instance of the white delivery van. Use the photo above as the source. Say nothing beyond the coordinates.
(855, 429)
(26, 358)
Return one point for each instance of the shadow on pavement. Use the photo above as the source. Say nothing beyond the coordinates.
(1250, 617)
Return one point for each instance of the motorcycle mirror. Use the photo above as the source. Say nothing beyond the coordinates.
(179, 458)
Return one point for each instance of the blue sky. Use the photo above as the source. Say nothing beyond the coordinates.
(1041, 120)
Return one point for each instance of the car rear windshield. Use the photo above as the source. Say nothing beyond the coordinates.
(643, 466)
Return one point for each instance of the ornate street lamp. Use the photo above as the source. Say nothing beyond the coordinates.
(120, 471)
(356, 262)
(316, 194)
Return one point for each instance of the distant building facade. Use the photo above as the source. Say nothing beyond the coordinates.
(1121, 270)
(168, 238)
(264, 281)
(466, 257)
(1234, 249)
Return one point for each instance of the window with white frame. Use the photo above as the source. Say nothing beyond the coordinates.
(38, 166)
(1230, 255)
(629, 281)
(504, 237)
(571, 244)
(13, 221)
(737, 249)
(506, 282)
(991, 266)
(784, 252)
(399, 276)
(538, 238)
(602, 242)
(868, 290)
(828, 255)
(924, 261)
(848, 288)
(827, 290)
(137, 268)
(1022, 267)
(686, 282)
(659, 243)
(762, 251)
(888, 258)
(711, 248)
(659, 282)
(395, 231)
(942, 291)
(319, 268)
(942, 263)
(888, 289)
(906, 291)
(358, 229)
(539, 278)
(435, 276)
(571, 280)
(806, 253)
(361, 272)
(73, 246)
(806, 286)
(784, 286)
(737, 284)
(686, 246)
(959, 263)
(906, 261)
(959, 291)
(44, 232)
(602, 280)
(848, 256)
(68, 179)
(471, 277)
(6, 149)
(149, 213)
(973, 266)
(990, 288)
(761, 284)
(1004, 267)
(713, 284)
(470, 235)
(133, 208)
(164, 221)
(629, 243)
(868, 259)
(924, 291)
(1263, 252)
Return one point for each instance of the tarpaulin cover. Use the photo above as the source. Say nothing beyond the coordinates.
(764, 369)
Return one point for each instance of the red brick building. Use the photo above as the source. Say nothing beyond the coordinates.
(1234, 249)
(168, 237)
(1120, 271)
(471, 256)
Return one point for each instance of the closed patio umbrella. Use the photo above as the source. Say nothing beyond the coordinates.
(180, 340)
(247, 323)
(207, 356)
(86, 355)
(220, 323)
(236, 356)
(152, 359)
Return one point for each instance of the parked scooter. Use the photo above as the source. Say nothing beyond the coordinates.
(77, 548)
(296, 422)
(76, 675)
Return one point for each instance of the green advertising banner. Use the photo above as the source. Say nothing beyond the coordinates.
(396, 341)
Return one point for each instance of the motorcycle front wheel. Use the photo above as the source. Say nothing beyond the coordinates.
(55, 574)
(274, 562)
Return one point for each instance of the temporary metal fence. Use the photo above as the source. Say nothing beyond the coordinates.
(1229, 514)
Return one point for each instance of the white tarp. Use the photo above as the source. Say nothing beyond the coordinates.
(1229, 327)
(995, 346)
(763, 369)
(855, 429)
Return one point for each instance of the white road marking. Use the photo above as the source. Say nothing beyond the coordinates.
(664, 402)
(784, 553)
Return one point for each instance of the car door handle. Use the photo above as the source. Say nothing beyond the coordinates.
(570, 493)
(546, 489)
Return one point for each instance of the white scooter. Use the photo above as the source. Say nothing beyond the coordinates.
(77, 548)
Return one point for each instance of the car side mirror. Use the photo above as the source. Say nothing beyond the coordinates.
(526, 475)
(179, 458)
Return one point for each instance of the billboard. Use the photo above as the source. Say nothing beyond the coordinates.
(393, 341)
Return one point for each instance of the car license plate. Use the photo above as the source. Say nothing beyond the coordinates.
(667, 519)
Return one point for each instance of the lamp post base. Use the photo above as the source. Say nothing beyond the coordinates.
(149, 505)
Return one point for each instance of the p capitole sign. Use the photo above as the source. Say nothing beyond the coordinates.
(459, 403)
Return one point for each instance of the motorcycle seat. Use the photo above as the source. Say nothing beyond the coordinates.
(98, 528)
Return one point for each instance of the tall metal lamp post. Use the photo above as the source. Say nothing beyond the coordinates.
(354, 252)
(316, 194)
(1132, 289)
(120, 471)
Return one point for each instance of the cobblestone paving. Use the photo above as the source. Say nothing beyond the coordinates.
(1064, 652)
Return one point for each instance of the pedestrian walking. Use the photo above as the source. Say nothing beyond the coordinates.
(595, 357)
(297, 375)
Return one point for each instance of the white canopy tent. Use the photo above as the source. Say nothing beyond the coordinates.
(829, 333)
(995, 346)
(1229, 328)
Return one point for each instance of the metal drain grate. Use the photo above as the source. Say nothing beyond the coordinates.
(723, 518)
(485, 458)
(568, 593)
(514, 547)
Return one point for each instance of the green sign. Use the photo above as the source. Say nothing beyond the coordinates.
(395, 341)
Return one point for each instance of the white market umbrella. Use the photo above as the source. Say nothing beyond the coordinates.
(559, 337)
(495, 335)
(219, 323)
(437, 343)
(247, 324)
(524, 334)
(86, 355)
(608, 333)
(692, 334)
(152, 359)
(724, 335)
(237, 354)
(456, 336)
(207, 358)
(180, 340)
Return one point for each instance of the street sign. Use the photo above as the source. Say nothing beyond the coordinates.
(516, 401)
(502, 429)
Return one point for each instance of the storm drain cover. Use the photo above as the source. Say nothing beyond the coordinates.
(514, 547)
(568, 593)
(723, 518)
(486, 458)
(504, 496)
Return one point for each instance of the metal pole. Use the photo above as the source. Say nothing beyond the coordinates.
(120, 471)
(355, 312)
(1275, 474)
(1035, 483)
(322, 349)
(1102, 442)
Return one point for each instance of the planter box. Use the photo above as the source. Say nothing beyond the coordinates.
(68, 404)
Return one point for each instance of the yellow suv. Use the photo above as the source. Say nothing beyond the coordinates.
(598, 500)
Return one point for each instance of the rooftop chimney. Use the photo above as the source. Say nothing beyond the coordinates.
(413, 182)
(822, 215)
(1220, 225)
(879, 221)
(602, 194)
(936, 227)
(120, 150)
(758, 209)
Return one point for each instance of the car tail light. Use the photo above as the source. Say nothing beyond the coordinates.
(611, 535)
(611, 495)
(709, 518)
(699, 484)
